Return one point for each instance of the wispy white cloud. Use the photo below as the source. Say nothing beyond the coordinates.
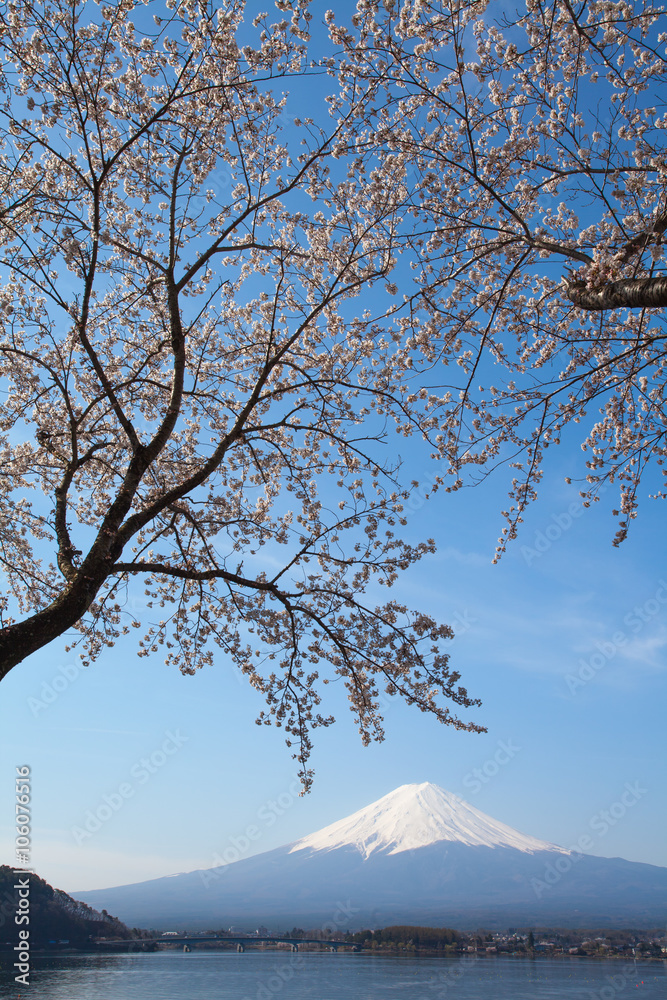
(451, 554)
(648, 651)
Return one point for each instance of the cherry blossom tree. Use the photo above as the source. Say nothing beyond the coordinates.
(192, 396)
(241, 252)
(536, 138)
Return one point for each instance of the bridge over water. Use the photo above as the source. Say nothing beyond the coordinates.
(240, 941)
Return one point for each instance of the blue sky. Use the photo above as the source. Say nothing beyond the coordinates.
(564, 641)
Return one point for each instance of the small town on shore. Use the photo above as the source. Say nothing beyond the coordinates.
(591, 943)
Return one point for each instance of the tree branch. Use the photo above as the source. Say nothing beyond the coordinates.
(630, 293)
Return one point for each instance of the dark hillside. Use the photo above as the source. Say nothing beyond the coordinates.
(55, 918)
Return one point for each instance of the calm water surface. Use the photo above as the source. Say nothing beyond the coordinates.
(273, 975)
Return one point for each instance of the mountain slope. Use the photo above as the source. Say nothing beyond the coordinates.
(418, 855)
(415, 816)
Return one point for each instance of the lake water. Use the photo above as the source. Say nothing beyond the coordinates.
(277, 975)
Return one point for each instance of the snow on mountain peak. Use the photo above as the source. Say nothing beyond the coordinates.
(414, 816)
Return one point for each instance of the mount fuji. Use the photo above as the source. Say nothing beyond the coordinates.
(418, 855)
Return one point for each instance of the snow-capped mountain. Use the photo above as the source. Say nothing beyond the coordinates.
(415, 816)
(419, 855)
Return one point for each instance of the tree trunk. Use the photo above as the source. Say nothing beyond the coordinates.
(25, 637)
(630, 293)
(19, 640)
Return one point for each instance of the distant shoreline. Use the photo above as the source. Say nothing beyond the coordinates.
(6, 949)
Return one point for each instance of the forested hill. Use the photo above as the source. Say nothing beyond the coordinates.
(430, 938)
(54, 916)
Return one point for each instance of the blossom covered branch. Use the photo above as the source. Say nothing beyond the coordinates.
(189, 384)
(238, 257)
